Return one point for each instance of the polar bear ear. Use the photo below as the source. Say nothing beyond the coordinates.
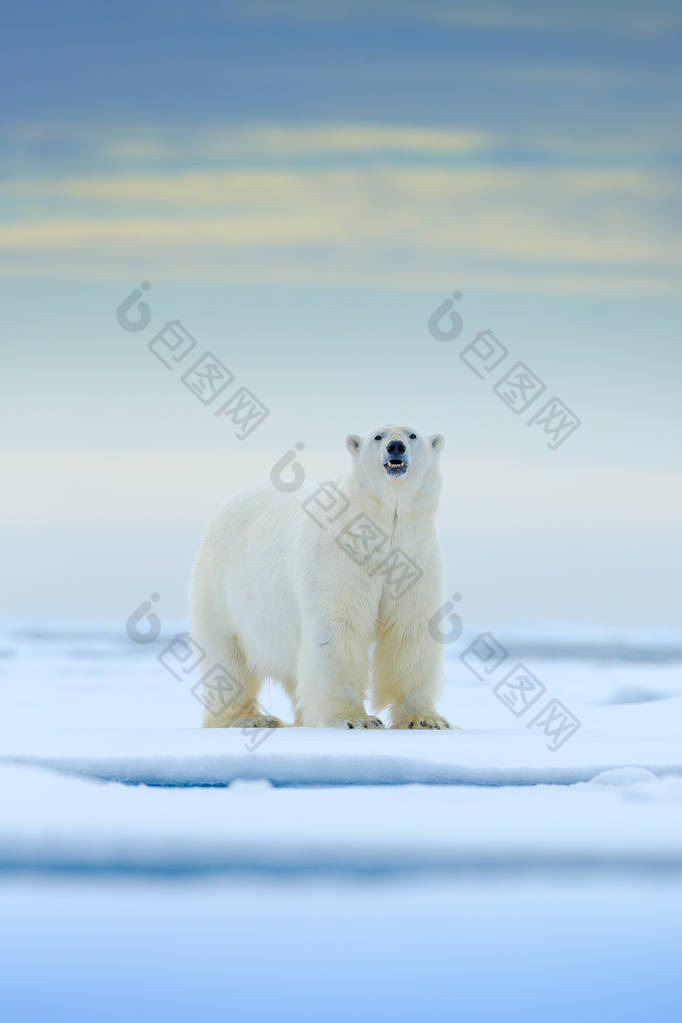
(353, 443)
(437, 441)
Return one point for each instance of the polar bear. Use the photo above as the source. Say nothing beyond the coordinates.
(303, 586)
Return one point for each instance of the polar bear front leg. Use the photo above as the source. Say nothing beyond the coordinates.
(332, 676)
(407, 673)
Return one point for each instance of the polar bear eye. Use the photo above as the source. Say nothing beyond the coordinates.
(378, 436)
(413, 436)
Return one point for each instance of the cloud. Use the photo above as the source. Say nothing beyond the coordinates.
(555, 498)
(628, 17)
(421, 204)
(362, 223)
(38, 150)
(331, 141)
(275, 186)
(183, 144)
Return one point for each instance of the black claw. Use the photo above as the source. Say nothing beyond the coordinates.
(349, 725)
(411, 724)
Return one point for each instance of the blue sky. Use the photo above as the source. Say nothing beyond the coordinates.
(302, 185)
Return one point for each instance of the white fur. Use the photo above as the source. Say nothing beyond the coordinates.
(274, 595)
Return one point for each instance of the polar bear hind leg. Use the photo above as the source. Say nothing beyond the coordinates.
(230, 686)
(235, 704)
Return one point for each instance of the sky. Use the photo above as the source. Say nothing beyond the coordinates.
(303, 186)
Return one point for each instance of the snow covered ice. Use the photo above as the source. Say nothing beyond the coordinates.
(151, 867)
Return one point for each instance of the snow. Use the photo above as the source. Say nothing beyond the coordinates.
(61, 822)
(149, 866)
(310, 950)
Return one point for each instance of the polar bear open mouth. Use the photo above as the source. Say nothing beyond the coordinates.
(395, 467)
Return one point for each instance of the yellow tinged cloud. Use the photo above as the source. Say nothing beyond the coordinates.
(422, 183)
(291, 141)
(582, 216)
(376, 222)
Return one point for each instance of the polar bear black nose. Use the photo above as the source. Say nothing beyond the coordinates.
(396, 447)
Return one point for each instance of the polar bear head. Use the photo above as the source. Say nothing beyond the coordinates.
(396, 460)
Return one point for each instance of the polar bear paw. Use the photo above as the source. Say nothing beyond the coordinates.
(423, 721)
(256, 721)
(359, 722)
